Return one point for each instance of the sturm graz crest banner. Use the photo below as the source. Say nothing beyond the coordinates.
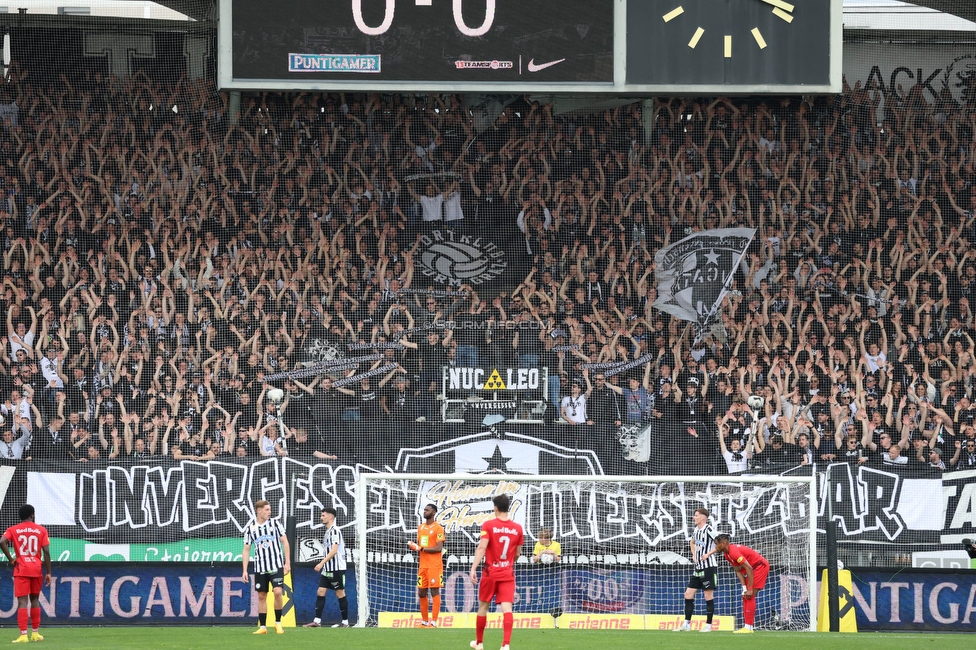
(694, 274)
(449, 256)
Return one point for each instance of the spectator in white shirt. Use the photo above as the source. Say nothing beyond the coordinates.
(430, 203)
(10, 448)
(573, 407)
(452, 205)
(21, 337)
(894, 457)
(51, 368)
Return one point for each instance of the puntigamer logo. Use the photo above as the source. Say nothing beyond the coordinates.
(355, 63)
(451, 258)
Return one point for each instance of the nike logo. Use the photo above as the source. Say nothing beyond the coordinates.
(542, 66)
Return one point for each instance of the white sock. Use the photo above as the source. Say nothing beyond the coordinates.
(317, 620)
(748, 627)
(345, 622)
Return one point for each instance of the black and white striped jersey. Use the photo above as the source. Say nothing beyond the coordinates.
(704, 542)
(332, 537)
(265, 540)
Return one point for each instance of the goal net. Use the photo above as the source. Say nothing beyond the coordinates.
(625, 553)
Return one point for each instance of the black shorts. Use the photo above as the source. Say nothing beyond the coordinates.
(705, 579)
(263, 580)
(334, 580)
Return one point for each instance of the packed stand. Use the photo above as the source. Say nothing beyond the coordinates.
(159, 262)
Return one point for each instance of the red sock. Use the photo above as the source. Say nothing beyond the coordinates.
(22, 619)
(437, 607)
(35, 617)
(507, 622)
(749, 610)
(423, 608)
(479, 628)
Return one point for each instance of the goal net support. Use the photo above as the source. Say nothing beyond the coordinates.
(625, 550)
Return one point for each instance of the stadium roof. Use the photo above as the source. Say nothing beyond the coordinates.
(860, 16)
(965, 9)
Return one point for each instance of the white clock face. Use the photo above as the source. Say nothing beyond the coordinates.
(730, 42)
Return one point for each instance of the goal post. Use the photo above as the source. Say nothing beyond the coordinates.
(625, 552)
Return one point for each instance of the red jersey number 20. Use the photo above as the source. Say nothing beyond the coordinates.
(28, 545)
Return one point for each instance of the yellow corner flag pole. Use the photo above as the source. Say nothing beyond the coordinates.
(288, 604)
(845, 597)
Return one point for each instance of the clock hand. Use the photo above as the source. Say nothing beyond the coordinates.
(781, 9)
(674, 13)
(785, 6)
(760, 41)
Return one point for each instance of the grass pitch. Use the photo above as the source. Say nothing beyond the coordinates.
(240, 638)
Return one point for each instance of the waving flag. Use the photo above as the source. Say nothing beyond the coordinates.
(694, 274)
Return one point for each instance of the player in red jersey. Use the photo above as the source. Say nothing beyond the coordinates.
(752, 569)
(30, 541)
(500, 546)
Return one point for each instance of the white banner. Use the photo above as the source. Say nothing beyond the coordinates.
(898, 69)
(693, 274)
(57, 492)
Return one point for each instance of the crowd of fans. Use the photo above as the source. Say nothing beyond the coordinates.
(159, 259)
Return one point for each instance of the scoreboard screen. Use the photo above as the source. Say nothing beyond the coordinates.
(411, 44)
(611, 47)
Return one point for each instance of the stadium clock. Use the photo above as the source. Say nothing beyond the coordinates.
(756, 43)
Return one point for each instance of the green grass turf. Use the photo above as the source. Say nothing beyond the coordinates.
(240, 638)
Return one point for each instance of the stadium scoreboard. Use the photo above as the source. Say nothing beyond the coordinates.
(556, 46)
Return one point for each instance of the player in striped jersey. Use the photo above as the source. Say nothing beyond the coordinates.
(706, 567)
(271, 562)
(332, 569)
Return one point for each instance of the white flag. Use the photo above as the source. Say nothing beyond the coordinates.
(694, 274)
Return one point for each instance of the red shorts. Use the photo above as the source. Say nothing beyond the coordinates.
(759, 578)
(503, 591)
(27, 585)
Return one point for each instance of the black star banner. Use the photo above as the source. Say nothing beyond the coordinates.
(694, 274)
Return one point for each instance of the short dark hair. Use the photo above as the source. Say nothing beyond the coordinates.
(26, 512)
(722, 537)
(502, 502)
(431, 505)
(330, 510)
(703, 511)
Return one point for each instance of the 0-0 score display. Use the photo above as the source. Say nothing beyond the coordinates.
(389, 12)
(375, 42)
